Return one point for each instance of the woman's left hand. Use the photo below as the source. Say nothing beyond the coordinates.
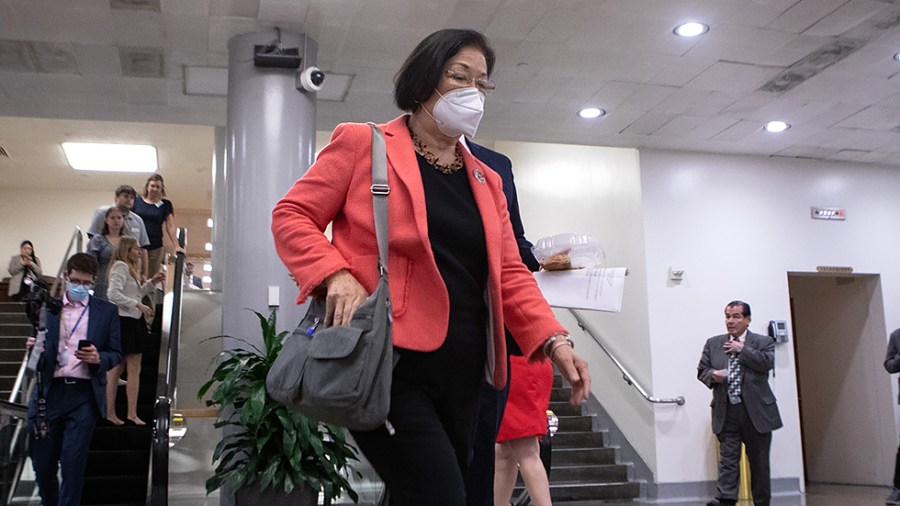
(575, 370)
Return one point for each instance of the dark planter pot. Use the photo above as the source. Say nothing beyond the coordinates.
(253, 496)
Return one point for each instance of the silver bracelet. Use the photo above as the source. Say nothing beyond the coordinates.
(546, 347)
(560, 344)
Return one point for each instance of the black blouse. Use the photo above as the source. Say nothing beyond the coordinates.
(456, 234)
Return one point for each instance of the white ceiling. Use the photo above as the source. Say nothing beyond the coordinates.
(75, 60)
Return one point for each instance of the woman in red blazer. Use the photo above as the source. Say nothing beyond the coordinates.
(456, 275)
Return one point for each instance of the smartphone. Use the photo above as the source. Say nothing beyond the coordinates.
(84, 343)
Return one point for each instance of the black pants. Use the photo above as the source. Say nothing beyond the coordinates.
(897, 470)
(433, 405)
(739, 429)
(480, 478)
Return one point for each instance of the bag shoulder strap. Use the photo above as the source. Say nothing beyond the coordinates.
(380, 191)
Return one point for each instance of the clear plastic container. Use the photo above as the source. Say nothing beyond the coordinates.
(568, 251)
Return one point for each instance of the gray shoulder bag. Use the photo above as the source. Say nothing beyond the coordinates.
(342, 375)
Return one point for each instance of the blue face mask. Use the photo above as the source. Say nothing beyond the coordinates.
(77, 293)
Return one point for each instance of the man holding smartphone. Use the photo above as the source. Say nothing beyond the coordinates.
(736, 367)
(82, 343)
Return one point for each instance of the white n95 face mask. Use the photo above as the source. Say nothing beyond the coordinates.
(459, 112)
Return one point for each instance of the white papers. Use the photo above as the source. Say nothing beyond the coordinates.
(596, 289)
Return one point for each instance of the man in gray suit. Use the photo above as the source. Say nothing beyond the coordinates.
(736, 367)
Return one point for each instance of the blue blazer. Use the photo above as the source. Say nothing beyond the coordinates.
(501, 164)
(103, 331)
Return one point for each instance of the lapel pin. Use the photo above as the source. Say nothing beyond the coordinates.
(479, 176)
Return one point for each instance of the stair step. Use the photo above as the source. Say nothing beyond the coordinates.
(124, 437)
(570, 492)
(571, 439)
(561, 394)
(564, 474)
(575, 423)
(12, 307)
(564, 409)
(12, 355)
(15, 329)
(118, 462)
(114, 489)
(10, 368)
(576, 456)
(15, 317)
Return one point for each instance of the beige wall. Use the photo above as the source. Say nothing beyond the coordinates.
(48, 218)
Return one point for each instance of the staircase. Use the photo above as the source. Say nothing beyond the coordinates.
(14, 330)
(119, 458)
(584, 470)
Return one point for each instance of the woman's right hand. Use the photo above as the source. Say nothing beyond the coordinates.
(148, 313)
(343, 296)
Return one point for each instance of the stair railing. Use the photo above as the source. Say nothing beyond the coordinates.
(166, 383)
(627, 376)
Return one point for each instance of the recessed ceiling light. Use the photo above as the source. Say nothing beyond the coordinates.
(591, 112)
(897, 56)
(111, 157)
(691, 29)
(777, 126)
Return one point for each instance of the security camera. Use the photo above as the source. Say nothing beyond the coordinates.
(312, 79)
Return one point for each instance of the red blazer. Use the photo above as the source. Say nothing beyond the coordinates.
(336, 190)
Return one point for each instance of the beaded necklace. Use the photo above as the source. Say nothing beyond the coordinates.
(445, 168)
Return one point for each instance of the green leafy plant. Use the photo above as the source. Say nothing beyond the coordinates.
(264, 441)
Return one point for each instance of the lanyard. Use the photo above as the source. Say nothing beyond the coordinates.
(68, 333)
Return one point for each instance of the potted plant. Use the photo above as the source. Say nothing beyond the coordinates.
(268, 449)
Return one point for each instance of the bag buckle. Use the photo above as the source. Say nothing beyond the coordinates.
(380, 189)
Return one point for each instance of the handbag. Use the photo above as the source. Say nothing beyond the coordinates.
(341, 375)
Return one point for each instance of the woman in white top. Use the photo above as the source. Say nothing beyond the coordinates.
(125, 290)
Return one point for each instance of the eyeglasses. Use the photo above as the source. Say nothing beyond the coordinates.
(73, 281)
(460, 78)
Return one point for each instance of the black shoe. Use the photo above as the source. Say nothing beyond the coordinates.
(894, 498)
(720, 502)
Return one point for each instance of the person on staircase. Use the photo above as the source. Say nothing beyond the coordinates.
(24, 269)
(158, 215)
(519, 440)
(126, 291)
(81, 345)
(103, 247)
(134, 225)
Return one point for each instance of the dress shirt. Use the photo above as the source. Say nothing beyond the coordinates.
(67, 366)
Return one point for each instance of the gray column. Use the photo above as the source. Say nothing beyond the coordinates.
(219, 199)
(270, 142)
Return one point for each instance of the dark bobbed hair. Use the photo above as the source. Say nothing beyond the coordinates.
(105, 229)
(424, 67)
(745, 308)
(155, 177)
(83, 262)
(126, 188)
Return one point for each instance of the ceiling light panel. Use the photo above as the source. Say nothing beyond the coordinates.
(99, 157)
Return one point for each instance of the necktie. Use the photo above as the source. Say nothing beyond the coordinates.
(734, 378)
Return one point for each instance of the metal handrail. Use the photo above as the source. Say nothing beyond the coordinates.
(585, 326)
(166, 383)
(77, 239)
